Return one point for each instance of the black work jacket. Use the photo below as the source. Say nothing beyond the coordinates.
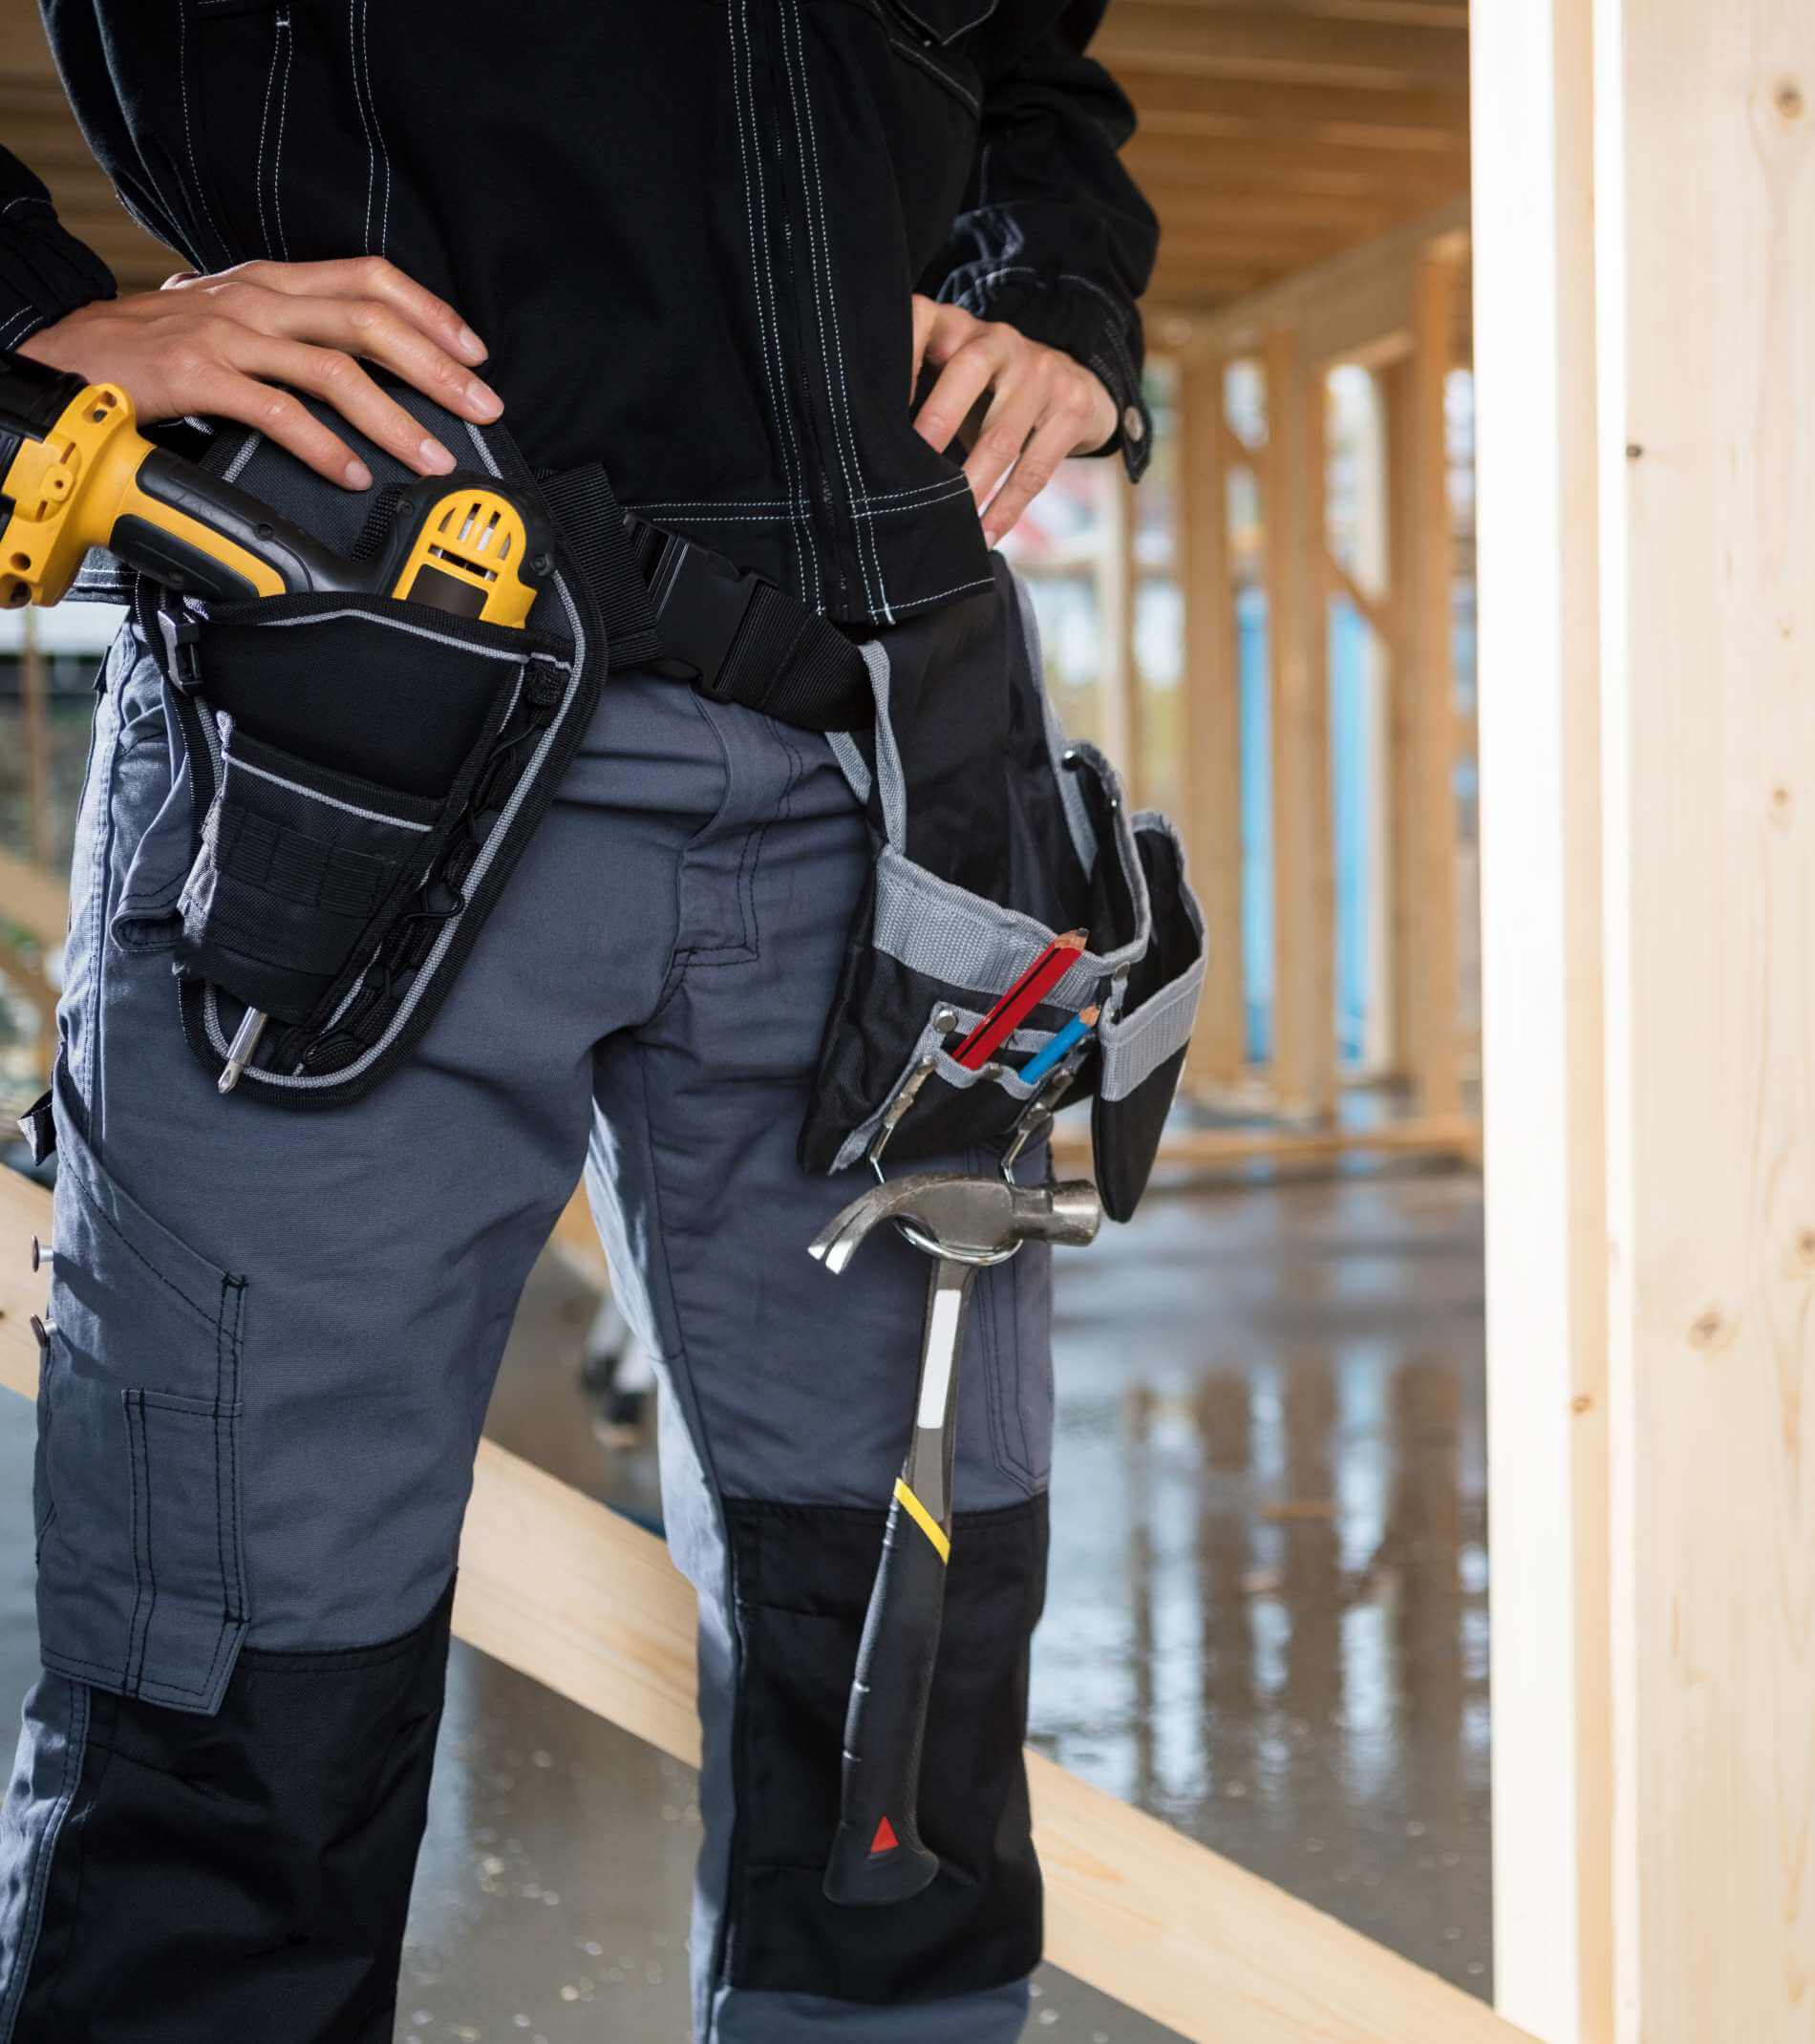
(687, 229)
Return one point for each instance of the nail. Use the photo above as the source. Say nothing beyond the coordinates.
(42, 1332)
(483, 399)
(472, 347)
(40, 1255)
(358, 476)
(435, 458)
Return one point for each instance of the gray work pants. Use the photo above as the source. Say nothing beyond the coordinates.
(276, 1336)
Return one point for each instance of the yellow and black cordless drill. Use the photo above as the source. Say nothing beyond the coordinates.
(75, 473)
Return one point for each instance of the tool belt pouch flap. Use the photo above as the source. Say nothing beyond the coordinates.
(367, 773)
(973, 879)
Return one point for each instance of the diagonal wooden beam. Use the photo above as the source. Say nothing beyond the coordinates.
(1260, 43)
(1374, 613)
(1133, 1908)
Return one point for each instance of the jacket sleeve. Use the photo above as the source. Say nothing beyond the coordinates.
(44, 271)
(1055, 237)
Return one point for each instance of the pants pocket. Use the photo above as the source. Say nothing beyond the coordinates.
(141, 1584)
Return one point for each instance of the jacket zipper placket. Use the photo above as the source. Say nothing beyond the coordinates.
(830, 514)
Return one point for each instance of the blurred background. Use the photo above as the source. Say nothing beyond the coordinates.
(1270, 1626)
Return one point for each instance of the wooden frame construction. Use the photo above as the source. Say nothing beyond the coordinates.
(1397, 309)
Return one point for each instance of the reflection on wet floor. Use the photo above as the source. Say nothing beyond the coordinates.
(1266, 1622)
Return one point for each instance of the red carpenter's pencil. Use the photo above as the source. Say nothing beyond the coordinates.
(1021, 999)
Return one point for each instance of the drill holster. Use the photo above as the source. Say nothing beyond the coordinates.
(366, 774)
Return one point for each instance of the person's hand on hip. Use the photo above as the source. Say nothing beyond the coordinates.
(239, 343)
(1042, 406)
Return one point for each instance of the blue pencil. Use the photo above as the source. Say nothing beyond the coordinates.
(1074, 1033)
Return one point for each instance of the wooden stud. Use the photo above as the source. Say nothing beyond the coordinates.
(1432, 789)
(1212, 718)
(1543, 1094)
(1402, 872)
(1119, 686)
(34, 715)
(1297, 637)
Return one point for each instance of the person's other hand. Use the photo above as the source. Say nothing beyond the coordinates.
(1044, 406)
(238, 344)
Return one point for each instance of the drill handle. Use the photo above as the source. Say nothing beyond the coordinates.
(169, 554)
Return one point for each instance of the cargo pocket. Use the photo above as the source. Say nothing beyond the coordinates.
(803, 1576)
(141, 1584)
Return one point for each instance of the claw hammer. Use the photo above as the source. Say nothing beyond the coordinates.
(965, 1225)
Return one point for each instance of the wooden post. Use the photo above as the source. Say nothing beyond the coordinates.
(1432, 709)
(33, 715)
(1212, 719)
(1297, 635)
(1120, 688)
(1541, 1023)
(1706, 277)
(1396, 396)
(1647, 236)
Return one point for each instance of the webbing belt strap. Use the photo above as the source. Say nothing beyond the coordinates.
(670, 603)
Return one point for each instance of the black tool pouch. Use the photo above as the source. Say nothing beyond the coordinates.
(993, 836)
(367, 773)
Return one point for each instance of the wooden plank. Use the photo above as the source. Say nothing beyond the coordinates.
(1176, 102)
(607, 1621)
(1435, 169)
(1212, 718)
(1432, 791)
(1416, 13)
(1119, 684)
(1542, 1021)
(1266, 46)
(1349, 300)
(1705, 220)
(1395, 394)
(1297, 628)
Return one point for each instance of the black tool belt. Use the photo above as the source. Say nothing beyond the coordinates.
(367, 772)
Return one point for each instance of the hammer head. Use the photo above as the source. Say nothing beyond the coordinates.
(971, 1218)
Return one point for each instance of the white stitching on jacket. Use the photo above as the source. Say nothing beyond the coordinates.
(358, 100)
(824, 297)
(288, 37)
(205, 210)
(762, 281)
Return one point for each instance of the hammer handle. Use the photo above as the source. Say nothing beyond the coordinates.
(878, 1856)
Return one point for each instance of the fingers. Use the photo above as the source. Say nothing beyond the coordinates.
(371, 277)
(230, 393)
(332, 374)
(1018, 408)
(977, 363)
(365, 327)
(1037, 467)
(925, 315)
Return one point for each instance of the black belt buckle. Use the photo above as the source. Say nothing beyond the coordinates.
(701, 601)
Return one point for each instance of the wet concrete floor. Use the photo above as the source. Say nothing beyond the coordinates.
(1268, 1619)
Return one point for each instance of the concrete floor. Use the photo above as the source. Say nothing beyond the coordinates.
(1267, 1620)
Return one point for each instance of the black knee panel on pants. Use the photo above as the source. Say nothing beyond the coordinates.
(802, 1577)
(244, 1875)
